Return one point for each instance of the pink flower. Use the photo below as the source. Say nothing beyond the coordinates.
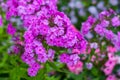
(97, 50)
(110, 63)
(118, 59)
(107, 70)
(93, 58)
(76, 68)
(111, 55)
(74, 28)
(111, 49)
(75, 51)
(111, 77)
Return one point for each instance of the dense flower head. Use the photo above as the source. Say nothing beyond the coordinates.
(27, 8)
(44, 24)
(52, 24)
(111, 49)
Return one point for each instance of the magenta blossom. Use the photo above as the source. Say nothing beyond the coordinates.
(1, 21)
(10, 29)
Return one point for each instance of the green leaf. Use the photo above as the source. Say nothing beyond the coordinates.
(4, 79)
(5, 57)
(94, 71)
(80, 76)
(17, 73)
(1, 30)
(96, 79)
(13, 74)
(118, 53)
(52, 78)
(54, 66)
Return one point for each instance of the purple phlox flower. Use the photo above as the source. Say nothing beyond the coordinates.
(115, 21)
(64, 58)
(89, 65)
(42, 57)
(104, 23)
(10, 29)
(51, 54)
(99, 30)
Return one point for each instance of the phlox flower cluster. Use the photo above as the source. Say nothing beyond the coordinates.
(102, 25)
(45, 26)
(111, 62)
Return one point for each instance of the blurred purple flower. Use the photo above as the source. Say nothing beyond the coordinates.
(10, 29)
